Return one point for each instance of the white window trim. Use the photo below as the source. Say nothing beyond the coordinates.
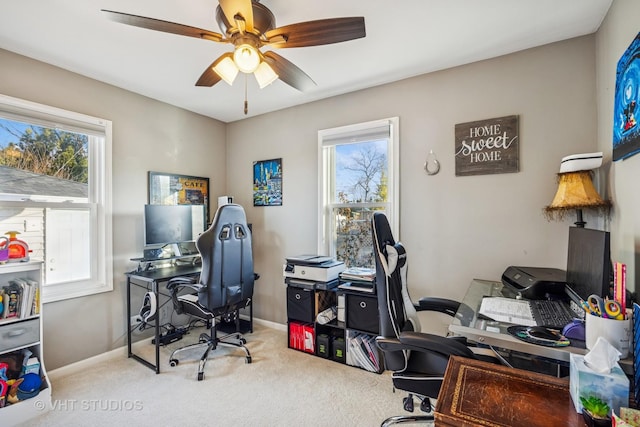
(102, 280)
(393, 214)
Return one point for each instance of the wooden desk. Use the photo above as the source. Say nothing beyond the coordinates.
(476, 393)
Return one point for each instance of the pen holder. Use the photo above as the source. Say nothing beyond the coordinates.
(617, 332)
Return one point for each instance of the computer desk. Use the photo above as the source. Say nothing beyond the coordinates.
(494, 334)
(150, 279)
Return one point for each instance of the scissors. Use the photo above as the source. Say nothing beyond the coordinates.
(596, 305)
(605, 308)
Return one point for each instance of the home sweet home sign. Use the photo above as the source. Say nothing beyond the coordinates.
(487, 146)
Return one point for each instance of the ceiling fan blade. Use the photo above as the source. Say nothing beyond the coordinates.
(231, 8)
(288, 72)
(314, 33)
(163, 26)
(210, 77)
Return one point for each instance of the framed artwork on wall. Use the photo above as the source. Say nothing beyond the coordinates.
(172, 189)
(626, 131)
(267, 182)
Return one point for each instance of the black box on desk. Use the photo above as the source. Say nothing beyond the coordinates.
(338, 350)
(323, 346)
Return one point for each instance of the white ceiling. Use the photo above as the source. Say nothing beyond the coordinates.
(404, 38)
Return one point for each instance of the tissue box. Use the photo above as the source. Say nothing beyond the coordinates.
(612, 388)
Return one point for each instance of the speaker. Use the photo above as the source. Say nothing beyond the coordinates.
(148, 309)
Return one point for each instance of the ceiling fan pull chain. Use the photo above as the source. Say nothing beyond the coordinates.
(246, 103)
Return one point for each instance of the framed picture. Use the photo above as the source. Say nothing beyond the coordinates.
(626, 131)
(267, 182)
(171, 189)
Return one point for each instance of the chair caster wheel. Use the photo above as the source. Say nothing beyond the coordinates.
(200, 376)
(408, 403)
(243, 341)
(425, 405)
(248, 359)
(173, 362)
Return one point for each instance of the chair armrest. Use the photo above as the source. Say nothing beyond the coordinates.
(426, 343)
(177, 283)
(442, 305)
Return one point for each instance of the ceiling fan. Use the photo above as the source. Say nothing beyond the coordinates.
(249, 25)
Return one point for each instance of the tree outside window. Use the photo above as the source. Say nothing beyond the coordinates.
(55, 183)
(358, 169)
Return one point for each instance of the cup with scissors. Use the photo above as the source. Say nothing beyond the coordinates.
(605, 308)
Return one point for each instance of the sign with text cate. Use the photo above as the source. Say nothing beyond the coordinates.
(487, 146)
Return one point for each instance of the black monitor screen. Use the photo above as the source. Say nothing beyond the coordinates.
(589, 262)
(172, 224)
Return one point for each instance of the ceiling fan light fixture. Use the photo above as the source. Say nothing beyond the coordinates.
(227, 70)
(265, 75)
(247, 58)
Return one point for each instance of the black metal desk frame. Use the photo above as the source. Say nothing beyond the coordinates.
(151, 279)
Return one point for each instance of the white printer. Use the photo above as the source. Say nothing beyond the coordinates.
(314, 268)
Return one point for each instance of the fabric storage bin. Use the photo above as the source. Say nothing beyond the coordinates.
(362, 313)
(300, 304)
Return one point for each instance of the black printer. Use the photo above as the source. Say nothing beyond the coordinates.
(535, 282)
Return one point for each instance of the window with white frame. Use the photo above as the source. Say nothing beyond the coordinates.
(359, 175)
(55, 191)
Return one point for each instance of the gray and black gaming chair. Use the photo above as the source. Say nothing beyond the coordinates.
(225, 284)
(418, 360)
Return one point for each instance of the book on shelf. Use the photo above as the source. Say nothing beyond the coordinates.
(361, 352)
(20, 299)
(362, 274)
(358, 287)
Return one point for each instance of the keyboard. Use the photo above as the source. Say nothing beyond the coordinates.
(552, 314)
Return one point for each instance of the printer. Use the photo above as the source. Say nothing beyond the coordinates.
(535, 282)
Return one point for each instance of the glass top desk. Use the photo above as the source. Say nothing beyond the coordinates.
(479, 329)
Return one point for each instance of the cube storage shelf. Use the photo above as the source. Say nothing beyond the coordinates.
(349, 339)
(20, 333)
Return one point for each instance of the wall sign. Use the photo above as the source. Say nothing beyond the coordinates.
(487, 146)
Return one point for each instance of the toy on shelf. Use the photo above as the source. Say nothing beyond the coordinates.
(14, 248)
(4, 249)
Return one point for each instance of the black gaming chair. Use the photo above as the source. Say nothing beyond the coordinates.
(225, 284)
(418, 360)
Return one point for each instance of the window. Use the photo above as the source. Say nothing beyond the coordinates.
(359, 166)
(55, 190)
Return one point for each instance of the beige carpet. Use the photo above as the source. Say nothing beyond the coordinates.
(281, 387)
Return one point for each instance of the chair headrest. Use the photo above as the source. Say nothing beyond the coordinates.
(396, 258)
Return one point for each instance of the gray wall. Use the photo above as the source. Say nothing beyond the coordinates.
(454, 228)
(147, 136)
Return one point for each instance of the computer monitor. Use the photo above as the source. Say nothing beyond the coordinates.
(589, 262)
(166, 224)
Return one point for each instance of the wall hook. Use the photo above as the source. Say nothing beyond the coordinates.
(432, 165)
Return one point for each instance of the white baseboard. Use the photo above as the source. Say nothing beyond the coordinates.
(84, 364)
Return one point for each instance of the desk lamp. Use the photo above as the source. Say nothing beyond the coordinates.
(575, 188)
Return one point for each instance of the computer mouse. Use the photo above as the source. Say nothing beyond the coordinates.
(542, 333)
(574, 330)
